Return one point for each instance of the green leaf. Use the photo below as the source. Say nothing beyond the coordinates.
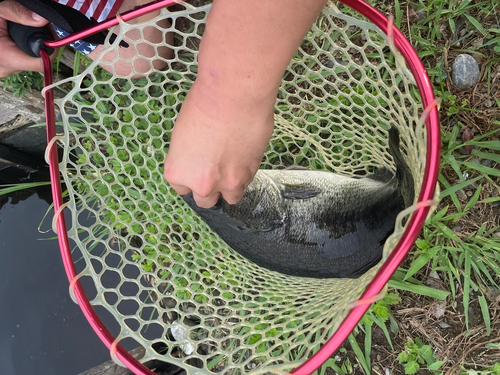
(486, 155)
(417, 265)
(412, 367)
(8, 189)
(455, 188)
(447, 232)
(452, 25)
(486, 313)
(359, 354)
(331, 363)
(427, 354)
(467, 286)
(490, 200)
(492, 145)
(474, 199)
(436, 365)
(419, 289)
(477, 24)
(482, 169)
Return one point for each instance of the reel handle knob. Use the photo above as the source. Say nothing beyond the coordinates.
(30, 40)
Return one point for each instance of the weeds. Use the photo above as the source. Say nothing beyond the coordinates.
(417, 354)
(22, 82)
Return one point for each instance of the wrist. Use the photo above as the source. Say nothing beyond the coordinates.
(229, 102)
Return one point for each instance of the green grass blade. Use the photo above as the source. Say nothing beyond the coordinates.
(486, 155)
(383, 327)
(331, 363)
(482, 169)
(466, 298)
(9, 189)
(417, 265)
(474, 199)
(419, 289)
(486, 313)
(490, 200)
(477, 24)
(359, 354)
(368, 346)
(492, 145)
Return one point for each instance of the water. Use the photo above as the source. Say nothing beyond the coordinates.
(41, 330)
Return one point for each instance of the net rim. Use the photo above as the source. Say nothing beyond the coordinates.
(412, 232)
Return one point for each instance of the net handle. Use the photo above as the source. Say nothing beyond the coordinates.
(105, 25)
(427, 193)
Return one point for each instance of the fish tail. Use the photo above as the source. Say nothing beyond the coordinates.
(403, 172)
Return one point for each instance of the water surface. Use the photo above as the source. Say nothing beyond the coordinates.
(41, 330)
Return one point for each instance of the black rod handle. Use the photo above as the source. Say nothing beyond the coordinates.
(29, 39)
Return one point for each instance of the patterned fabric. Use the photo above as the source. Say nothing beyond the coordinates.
(100, 10)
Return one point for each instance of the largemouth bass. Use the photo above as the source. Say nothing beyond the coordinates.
(314, 223)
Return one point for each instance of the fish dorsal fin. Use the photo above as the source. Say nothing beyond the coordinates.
(300, 191)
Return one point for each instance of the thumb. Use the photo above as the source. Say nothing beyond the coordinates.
(11, 10)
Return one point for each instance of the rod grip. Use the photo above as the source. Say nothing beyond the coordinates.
(30, 39)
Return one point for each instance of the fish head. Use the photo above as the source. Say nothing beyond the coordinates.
(261, 207)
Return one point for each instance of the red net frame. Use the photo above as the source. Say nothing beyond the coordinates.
(409, 237)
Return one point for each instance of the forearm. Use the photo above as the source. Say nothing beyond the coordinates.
(249, 43)
(226, 121)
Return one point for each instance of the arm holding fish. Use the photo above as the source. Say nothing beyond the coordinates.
(226, 121)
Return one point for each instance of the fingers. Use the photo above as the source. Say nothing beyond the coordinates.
(202, 201)
(206, 202)
(206, 195)
(13, 11)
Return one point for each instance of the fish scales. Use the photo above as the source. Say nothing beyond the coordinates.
(313, 223)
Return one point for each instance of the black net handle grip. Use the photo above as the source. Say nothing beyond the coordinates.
(29, 39)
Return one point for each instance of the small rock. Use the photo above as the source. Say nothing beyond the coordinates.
(461, 195)
(457, 229)
(496, 235)
(487, 162)
(444, 325)
(330, 63)
(438, 309)
(180, 334)
(465, 72)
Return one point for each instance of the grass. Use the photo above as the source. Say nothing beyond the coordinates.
(23, 82)
(12, 188)
(456, 262)
(460, 243)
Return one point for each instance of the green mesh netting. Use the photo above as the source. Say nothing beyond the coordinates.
(154, 269)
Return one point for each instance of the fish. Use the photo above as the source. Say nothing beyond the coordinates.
(313, 223)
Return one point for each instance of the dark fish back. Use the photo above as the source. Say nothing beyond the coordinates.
(313, 233)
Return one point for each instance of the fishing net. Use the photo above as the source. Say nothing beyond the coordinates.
(151, 267)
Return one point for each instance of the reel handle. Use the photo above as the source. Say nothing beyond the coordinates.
(30, 40)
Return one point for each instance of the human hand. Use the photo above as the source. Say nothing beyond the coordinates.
(12, 59)
(217, 145)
